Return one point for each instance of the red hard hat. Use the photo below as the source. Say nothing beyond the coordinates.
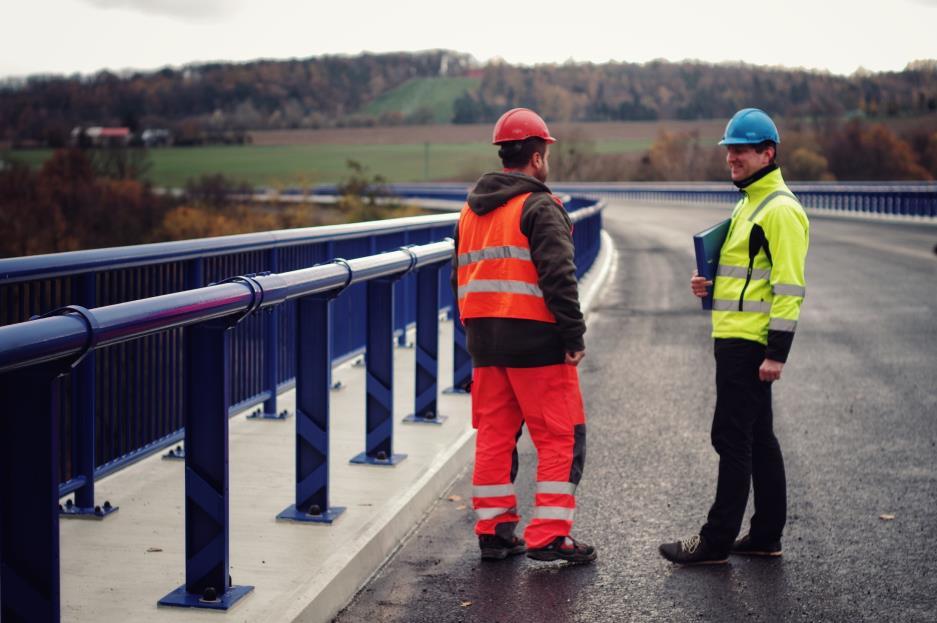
(518, 124)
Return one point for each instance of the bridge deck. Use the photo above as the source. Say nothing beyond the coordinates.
(117, 569)
(856, 414)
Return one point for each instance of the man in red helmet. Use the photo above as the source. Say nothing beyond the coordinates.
(515, 280)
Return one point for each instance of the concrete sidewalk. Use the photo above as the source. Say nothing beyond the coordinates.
(117, 569)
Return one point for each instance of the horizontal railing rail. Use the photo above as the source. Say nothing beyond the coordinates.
(77, 331)
(125, 401)
(13, 270)
(904, 199)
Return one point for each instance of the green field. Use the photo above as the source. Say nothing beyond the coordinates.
(436, 94)
(287, 165)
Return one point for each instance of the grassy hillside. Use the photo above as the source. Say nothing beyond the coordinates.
(436, 94)
(286, 165)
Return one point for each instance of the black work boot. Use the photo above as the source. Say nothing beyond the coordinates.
(564, 548)
(494, 547)
(747, 547)
(692, 550)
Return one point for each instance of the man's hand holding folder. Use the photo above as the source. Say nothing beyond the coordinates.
(707, 244)
(699, 285)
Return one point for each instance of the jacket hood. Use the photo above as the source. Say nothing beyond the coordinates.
(493, 190)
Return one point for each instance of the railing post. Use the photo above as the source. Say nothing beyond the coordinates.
(427, 347)
(83, 419)
(313, 383)
(379, 406)
(271, 352)
(29, 493)
(207, 397)
(461, 360)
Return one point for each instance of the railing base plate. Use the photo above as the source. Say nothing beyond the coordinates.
(419, 419)
(257, 415)
(175, 454)
(96, 513)
(456, 390)
(181, 598)
(294, 514)
(364, 459)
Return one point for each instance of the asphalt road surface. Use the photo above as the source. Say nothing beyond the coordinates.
(855, 411)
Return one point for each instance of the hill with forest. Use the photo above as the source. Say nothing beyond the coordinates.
(439, 86)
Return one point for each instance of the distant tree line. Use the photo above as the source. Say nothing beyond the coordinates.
(828, 150)
(201, 100)
(693, 90)
(223, 99)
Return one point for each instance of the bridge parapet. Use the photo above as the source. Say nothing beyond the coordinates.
(44, 360)
(898, 199)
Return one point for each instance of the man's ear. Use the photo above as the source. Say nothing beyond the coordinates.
(536, 160)
(774, 154)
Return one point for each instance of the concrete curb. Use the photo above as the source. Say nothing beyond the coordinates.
(602, 272)
(366, 555)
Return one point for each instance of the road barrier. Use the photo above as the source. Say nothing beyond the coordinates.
(200, 357)
(916, 200)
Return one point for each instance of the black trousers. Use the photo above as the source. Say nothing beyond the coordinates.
(749, 453)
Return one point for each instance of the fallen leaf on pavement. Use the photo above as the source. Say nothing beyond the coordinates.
(455, 498)
(886, 517)
(461, 507)
(466, 604)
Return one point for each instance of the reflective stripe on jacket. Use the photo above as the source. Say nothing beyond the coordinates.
(760, 284)
(496, 276)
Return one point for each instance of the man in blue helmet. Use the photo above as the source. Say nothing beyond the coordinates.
(759, 288)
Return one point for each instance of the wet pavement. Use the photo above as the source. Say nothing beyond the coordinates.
(856, 415)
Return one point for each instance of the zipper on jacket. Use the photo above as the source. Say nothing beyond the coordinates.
(748, 278)
(756, 239)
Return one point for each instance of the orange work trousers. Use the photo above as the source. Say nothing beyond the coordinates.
(547, 399)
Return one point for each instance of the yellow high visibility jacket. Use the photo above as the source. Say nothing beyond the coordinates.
(759, 285)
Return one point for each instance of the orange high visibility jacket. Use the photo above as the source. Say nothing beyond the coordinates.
(496, 277)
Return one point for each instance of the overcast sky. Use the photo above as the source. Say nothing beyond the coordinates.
(67, 36)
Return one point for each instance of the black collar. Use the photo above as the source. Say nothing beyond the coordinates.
(754, 177)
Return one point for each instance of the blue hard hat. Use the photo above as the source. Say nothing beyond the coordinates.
(750, 126)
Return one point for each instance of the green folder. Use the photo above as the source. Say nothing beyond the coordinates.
(708, 244)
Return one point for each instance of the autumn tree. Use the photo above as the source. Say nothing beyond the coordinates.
(859, 151)
(681, 156)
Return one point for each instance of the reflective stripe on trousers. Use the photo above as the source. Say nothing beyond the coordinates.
(554, 512)
(564, 488)
(492, 491)
(489, 500)
(491, 513)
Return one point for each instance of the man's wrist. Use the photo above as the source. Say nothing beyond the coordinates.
(574, 346)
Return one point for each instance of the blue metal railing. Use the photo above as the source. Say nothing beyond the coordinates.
(128, 398)
(910, 199)
(131, 393)
(37, 356)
